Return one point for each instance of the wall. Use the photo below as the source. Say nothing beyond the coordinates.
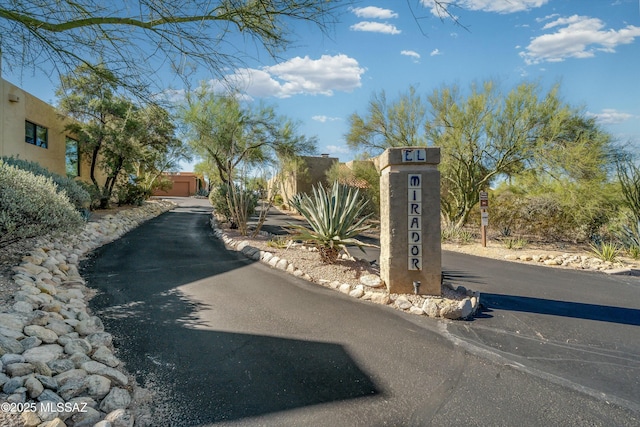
(16, 106)
(12, 135)
(312, 171)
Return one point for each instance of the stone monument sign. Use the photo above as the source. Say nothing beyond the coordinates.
(410, 251)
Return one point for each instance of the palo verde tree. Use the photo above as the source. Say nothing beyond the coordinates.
(232, 134)
(389, 124)
(237, 138)
(139, 37)
(485, 134)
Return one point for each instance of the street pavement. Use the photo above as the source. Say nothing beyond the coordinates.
(225, 341)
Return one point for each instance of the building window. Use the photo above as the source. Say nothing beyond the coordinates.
(36, 135)
(72, 158)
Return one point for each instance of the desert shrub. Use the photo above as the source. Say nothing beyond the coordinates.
(279, 242)
(543, 216)
(504, 213)
(606, 251)
(32, 205)
(515, 243)
(132, 194)
(202, 192)
(630, 235)
(335, 219)
(94, 193)
(454, 234)
(634, 252)
(74, 190)
(235, 205)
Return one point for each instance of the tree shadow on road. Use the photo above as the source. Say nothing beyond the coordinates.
(578, 310)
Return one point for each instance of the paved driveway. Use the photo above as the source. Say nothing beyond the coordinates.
(577, 328)
(223, 341)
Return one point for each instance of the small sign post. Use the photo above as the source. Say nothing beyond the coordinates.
(484, 216)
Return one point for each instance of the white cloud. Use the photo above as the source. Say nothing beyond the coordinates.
(375, 27)
(324, 119)
(296, 76)
(435, 52)
(576, 37)
(410, 53)
(373, 12)
(548, 17)
(498, 6)
(335, 149)
(610, 116)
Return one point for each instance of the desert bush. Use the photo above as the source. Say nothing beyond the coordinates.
(454, 234)
(32, 205)
(235, 205)
(606, 251)
(543, 216)
(132, 194)
(279, 242)
(515, 243)
(74, 190)
(634, 252)
(335, 219)
(630, 235)
(202, 192)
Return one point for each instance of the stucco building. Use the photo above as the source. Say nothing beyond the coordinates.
(311, 171)
(31, 129)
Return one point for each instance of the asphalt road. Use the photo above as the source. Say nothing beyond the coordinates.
(223, 341)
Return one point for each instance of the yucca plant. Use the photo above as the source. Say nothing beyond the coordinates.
(335, 219)
(606, 251)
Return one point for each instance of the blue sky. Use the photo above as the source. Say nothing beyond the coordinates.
(592, 47)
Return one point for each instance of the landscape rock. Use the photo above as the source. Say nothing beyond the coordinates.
(88, 418)
(117, 398)
(402, 303)
(90, 326)
(77, 345)
(100, 339)
(357, 292)
(34, 387)
(101, 369)
(97, 386)
(19, 369)
(345, 288)
(12, 385)
(42, 333)
(120, 418)
(10, 345)
(43, 353)
(371, 280)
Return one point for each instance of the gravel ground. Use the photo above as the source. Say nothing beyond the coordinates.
(308, 260)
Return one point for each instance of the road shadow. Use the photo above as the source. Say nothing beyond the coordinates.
(603, 313)
(201, 376)
(460, 276)
(205, 376)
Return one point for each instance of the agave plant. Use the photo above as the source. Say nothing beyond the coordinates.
(335, 219)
